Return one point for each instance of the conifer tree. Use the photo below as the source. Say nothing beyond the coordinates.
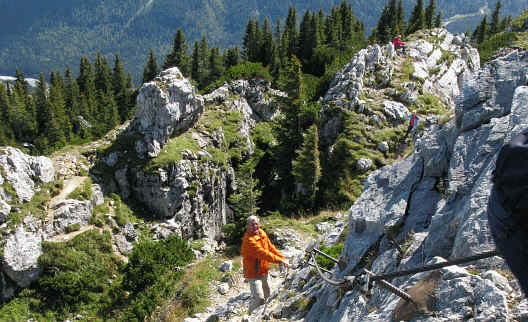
(203, 61)
(291, 33)
(417, 19)
(42, 107)
(481, 33)
(216, 65)
(232, 57)
(400, 17)
(429, 14)
(266, 44)
(495, 25)
(178, 57)
(103, 78)
(290, 78)
(72, 98)
(438, 20)
(306, 33)
(119, 86)
(59, 129)
(306, 168)
(151, 69)
(250, 41)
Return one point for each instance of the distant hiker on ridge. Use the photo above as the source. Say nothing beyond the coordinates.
(398, 43)
(257, 252)
(413, 124)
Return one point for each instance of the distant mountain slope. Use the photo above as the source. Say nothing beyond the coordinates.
(40, 36)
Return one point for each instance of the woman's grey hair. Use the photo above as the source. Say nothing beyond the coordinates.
(252, 219)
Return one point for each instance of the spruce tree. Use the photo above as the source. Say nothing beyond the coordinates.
(291, 33)
(266, 44)
(103, 78)
(178, 57)
(249, 44)
(417, 19)
(438, 20)
(151, 69)
(119, 86)
(495, 23)
(306, 33)
(400, 17)
(429, 14)
(290, 78)
(42, 107)
(72, 99)
(306, 168)
(216, 65)
(232, 57)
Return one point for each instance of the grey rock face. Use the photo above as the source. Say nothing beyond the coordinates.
(166, 106)
(435, 203)
(21, 252)
(489, 94)
(69, 212)
(20, 169)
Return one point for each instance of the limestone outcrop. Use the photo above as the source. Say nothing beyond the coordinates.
(189, 192)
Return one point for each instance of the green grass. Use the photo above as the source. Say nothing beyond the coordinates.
(491, 46)
(83, 192)
(171, 152)
(194, 290)
(447, 58)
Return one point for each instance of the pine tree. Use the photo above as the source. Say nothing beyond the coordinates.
(481, 33)
(290, 78)
(72, 99)
(216, 65)
(438, 20)
(103, 78)
(306, 33)
(151, 69)
(495, 23)
(291, 33)
(232, 57)
(306, 168)
(429, 14)
(249, 41)
(121, 91)
(417, 19)
(59, 128)
(41, 104)
(178, 57)
(400, 17)
(266, 46)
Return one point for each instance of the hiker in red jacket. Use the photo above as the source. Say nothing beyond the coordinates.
(398, 43)
(413, 125)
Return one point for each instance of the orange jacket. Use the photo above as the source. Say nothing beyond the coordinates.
(257, 252)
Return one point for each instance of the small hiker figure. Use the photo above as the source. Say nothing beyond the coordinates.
(413, 125)
(398, 43)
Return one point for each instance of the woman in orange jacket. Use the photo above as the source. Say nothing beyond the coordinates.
(257, 252)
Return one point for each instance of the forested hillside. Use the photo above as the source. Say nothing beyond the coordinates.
(39, 36)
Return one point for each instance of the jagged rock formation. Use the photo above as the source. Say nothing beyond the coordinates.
(195, 134)
(434, 205)
(439, 62)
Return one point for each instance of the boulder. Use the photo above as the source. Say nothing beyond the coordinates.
(21, 252)
(168, 105)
